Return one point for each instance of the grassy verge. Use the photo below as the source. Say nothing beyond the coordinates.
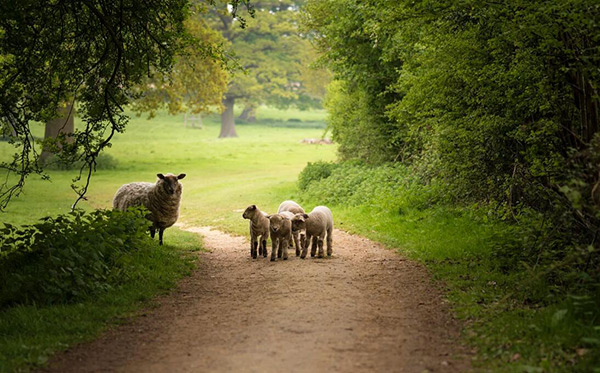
(30, 334)
(223, 177)
(513, 321)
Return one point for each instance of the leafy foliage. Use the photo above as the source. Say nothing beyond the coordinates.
(98, 54)
(68, 258)
(274, 57)
(498, 101)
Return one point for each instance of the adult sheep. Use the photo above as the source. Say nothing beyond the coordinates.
(293, 208)
(161, 199)
(318, 225)
(259, 230)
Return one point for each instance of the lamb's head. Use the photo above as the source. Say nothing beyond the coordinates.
(299, 222)
(276, 221)
(170, 183)
(249, 212)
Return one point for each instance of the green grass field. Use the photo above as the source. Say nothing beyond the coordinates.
(224, 176)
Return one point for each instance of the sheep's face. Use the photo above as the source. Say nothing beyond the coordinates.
(170, 183)
(299, 222)
(249, 212)
(276, 222)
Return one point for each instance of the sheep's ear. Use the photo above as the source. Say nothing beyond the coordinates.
(253, 207)
(305, 216)
(161, 176)
(180, 176)
(268, 216)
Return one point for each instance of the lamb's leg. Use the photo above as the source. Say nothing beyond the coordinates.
(285, 245)
(320, 242)
(297, 243)
(273, 249)
(304, 247)
(313, 249)
(264, 247)
(329, 242)
(280, 249)
(160, 235)
(254, 247)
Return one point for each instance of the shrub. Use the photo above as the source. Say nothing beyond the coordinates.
(69, 257)
(314, 172)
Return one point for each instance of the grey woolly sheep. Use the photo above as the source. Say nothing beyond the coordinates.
(293, 208)
(161, 199)
(318, 224)
(259, 227)
(281, 234)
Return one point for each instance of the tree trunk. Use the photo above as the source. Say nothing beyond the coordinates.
(63, 124)
(248, 114)
(227, 120)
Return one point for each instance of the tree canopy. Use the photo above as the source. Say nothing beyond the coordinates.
(274, 55)
(497, 100)
(97, 53)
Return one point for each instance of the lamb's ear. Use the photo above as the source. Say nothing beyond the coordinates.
(180, 176)
(161, 176)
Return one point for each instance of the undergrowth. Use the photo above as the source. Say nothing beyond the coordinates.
(522, 311)
(65, 279)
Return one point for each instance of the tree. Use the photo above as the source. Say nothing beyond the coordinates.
(198, 79)
(274, 56)
(95, 52)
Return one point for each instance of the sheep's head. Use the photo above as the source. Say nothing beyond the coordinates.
(170, 183)
(299, 222)
(276, 222)
(249, 212)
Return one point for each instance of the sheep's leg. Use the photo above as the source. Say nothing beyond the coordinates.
(273, 249)
(160, 235)
(264, 247)
(280, 249)
(304, 247)
(285, 245)
(329, 242)
(297, 243)
(313, 249)
(152, 231)
(320, 243)
(254, 248)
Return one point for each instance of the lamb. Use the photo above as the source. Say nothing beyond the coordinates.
(281, 235)
(293, 208)
(162, 199)
(318, 223)
(259, 227)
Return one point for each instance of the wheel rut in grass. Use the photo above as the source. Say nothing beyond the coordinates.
(364, 309)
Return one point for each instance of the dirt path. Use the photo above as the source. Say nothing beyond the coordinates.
(364, 309)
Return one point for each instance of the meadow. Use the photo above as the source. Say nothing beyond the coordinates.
(223, 175)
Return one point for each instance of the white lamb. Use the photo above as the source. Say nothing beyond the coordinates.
(318, 225)
(293, 208)
(161, 199)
